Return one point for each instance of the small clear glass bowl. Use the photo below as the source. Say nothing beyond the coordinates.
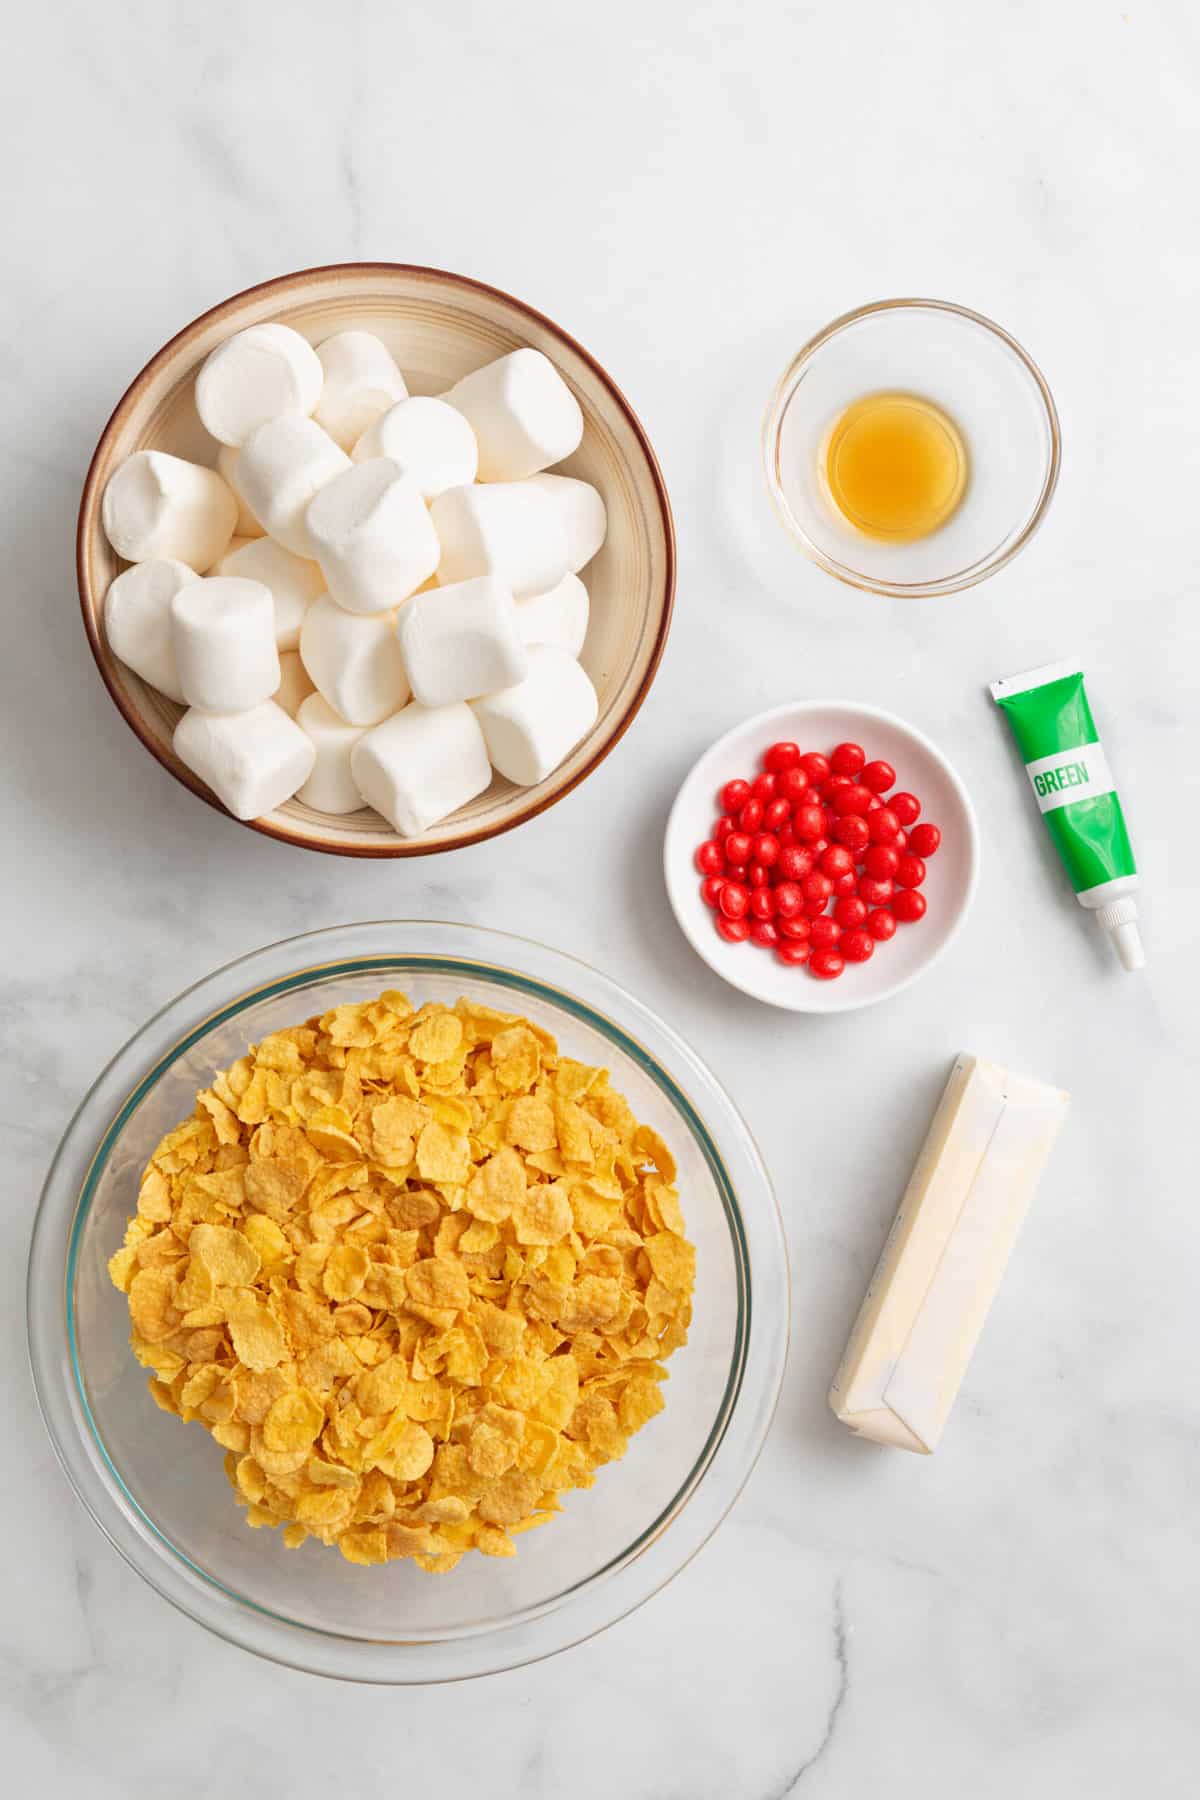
(156, 1487)
(991, 388)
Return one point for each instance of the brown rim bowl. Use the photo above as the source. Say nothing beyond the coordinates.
(439, 326)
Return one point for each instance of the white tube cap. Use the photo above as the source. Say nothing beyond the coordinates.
(1119, 919)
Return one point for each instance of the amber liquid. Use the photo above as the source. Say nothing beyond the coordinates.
(895, 466)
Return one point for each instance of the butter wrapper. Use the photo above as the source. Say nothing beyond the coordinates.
(945, 1254)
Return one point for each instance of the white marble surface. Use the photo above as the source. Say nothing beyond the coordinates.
(690, 190)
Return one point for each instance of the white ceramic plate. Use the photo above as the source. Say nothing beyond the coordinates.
(920, 768)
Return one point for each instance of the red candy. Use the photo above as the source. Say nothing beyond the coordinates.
(734, 931)
(806, 831)
(910, 872)
(826, 965)
(792, 785)
(824, 933)
(908, 906)
(809, 821)
(848, 759)
(883, 824)
(853, 799)
(854, 832)
(788, 900)
(881, 861)
(837, 860)
(879, 777)
(795, 862)
(850, 911)
(793, 952)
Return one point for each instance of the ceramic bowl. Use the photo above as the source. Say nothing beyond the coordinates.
(921, 768)
(439, 327)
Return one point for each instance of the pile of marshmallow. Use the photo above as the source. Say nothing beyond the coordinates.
(374, 597)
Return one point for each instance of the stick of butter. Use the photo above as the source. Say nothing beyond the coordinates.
(945, 1254)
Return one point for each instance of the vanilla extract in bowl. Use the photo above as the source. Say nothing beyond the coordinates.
(895, 466)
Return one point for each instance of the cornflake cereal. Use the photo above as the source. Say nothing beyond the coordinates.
(417, 1274)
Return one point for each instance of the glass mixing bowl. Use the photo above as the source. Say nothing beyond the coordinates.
(157, 1488)
(970, 368)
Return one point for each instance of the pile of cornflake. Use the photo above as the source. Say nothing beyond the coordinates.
(415, 1271)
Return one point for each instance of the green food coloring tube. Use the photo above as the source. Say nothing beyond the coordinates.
(1074, 788)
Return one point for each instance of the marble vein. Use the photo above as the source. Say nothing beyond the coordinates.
(792, 1782)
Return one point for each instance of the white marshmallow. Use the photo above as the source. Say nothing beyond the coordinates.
(461, 641)
(355, 662)
(331, 787)
(430, 441)
(373, 537)
(265, 372)
(421, 765)
(529, 729)
(583, 513)
(253, 761)
(223, 630)
(158, 506)
(137, 621)
(294, 581)
(227, 466)
(522, 412)
(361, 382)
(510, 529)
(281, 466)
(559, 617)
(235, 544)
(295, 683)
